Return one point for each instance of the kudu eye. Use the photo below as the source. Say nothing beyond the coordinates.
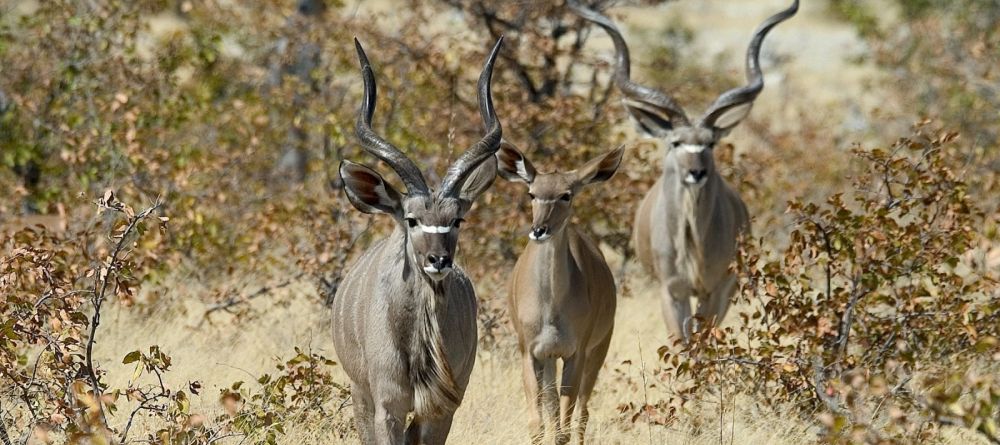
(457, 223)
(410, 222)
(675, 144)
(566, 197)
(531, 196)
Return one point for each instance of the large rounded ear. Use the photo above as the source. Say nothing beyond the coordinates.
(653, 120)
(479, 180)
(727, 117)
(368, 191)
(601, 168)
(512, 165)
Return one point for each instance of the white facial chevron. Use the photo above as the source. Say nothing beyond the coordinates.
(692, 148)
(435, 229)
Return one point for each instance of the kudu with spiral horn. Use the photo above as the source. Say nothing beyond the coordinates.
(404, 318)
(688, 224)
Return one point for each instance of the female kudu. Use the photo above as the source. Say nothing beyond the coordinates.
(562, 294)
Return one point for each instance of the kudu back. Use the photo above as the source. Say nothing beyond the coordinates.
(562, 295)
(404, 318)
(687, 226)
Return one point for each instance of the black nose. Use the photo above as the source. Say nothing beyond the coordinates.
(540, 231)
(440, 262)
(698, 174)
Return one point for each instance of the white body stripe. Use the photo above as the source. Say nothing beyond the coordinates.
(435, 229)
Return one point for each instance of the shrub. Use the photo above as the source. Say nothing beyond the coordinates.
(871, 317)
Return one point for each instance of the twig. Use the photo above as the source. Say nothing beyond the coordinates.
(100, 288)
(3, 430)
(225, 305)
(891, 393)
(848, 318)
(829, 256)
(142, 406)
(645, 396)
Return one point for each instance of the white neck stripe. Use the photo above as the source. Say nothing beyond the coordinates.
(435, 229)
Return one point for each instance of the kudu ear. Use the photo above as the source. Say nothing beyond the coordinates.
(478, 181)
(601, 168)
(726, 118)
(367, 190)
(653, 120)
(512, 165)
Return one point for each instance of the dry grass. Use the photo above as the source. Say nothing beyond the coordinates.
(223, 351)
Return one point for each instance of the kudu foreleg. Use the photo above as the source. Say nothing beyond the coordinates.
(428, 432)
(533, 376)
(713, 310)
(595, 359)
(676, 305)
(569, 389)
(364, 415)
(389, 425)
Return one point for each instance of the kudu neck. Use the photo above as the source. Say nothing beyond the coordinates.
(552, 268)
(694, 203)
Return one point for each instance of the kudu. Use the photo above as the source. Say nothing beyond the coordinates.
(562, 294)
(404, 319)
(687, 226)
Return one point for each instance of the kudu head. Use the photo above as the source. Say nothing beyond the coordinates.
(552, 193)
(689, 145)
(429, 219)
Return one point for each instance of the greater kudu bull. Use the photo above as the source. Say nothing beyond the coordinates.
(404, 319)
(687, 226)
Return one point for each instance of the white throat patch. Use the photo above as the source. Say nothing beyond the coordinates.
(435, 229)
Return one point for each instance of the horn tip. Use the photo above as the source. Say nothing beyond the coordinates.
(362, 57)
(496, 47)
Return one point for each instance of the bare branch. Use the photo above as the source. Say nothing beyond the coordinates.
(819, 388)
(102, 278)
(225, 305)
(847, 318)
(3, 430)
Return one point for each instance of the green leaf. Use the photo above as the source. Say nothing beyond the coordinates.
(132, 357)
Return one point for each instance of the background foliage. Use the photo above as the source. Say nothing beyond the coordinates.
(196, 142)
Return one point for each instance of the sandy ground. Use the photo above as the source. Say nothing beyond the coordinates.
(494, 411)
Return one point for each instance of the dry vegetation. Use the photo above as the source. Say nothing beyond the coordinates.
(177, 157)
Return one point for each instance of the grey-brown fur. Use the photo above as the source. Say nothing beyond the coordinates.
(687, 226)
(562, 296)
(404, 318)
